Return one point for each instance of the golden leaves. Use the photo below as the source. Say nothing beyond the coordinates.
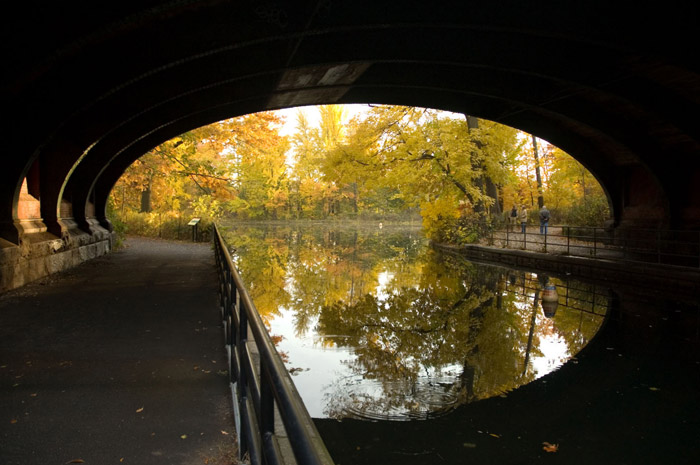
(547, 447)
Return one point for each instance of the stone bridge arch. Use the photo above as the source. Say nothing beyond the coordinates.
(86, 92)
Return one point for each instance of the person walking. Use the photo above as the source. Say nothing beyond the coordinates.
(513, 218)
(544, 220)
(523, 219)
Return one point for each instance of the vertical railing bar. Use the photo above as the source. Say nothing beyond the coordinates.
(252, 377)
(252, 440)
(271, 450)
(267, 402)
(595, 243)
(242, 334)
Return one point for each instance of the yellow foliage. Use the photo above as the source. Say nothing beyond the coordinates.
(436, 211)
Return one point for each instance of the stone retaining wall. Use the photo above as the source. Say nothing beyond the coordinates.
(642, 277)
(41, 254)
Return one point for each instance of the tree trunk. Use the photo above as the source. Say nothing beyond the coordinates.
(146, 199)
(484, 183)
(538, 174)
(354, 198)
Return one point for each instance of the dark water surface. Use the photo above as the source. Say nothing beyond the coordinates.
(407, 355)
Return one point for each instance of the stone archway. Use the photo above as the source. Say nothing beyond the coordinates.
(613, 86)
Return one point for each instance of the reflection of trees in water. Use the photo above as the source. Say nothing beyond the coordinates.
(406, 343)
(304, 268)
(456, 336)
(441, 332)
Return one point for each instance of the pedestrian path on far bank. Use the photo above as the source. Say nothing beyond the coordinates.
(554, 242)
(117, 361)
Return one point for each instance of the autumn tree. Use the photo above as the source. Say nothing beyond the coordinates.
(235, 166)
(457, 171)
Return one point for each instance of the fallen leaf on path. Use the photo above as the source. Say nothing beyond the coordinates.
(224, 432)
(139, 410)
(495, 435)
(184, 436)
(77, 461)
(13, 421)
(654, 389)
(550, 447)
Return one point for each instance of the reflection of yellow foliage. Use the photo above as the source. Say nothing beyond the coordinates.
(432, 312)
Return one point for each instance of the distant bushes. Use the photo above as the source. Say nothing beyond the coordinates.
(589, 211)
(164, 225)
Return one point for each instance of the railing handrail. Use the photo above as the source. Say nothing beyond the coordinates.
(645, 245)
(305, 440)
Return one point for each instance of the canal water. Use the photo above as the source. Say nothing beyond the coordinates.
(404, 354)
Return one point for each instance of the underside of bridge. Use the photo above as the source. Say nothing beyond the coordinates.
(87, 89)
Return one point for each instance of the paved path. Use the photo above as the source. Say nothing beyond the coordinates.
(556, 243)
(118, 361)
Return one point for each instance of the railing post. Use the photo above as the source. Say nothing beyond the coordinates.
(240, 343)
(595, 243)
(242, 381)
(568, 240)
(267, 403)
(230, 308)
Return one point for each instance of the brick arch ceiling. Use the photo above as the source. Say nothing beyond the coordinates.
(89, 88)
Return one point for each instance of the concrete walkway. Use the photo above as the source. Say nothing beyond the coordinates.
(118, 361)
(555, 242)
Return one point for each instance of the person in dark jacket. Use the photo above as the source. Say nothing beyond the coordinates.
(513, 218)
(544, 219)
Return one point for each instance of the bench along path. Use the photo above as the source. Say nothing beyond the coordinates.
(119, 360)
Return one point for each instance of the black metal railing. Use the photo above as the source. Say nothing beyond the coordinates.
(270, 414)
(671, 247)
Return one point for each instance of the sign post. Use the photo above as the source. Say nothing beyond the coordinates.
(193, 222)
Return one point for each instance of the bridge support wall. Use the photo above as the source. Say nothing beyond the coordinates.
(41, 253)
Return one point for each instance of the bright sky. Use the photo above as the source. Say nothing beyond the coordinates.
(311, 113)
